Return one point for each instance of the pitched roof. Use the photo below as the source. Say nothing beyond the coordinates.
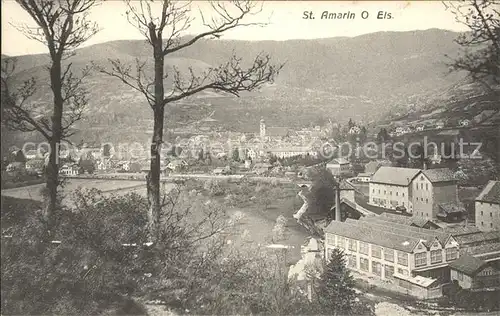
(490, 193)
(450, 208)
(461, 230)
(403, 238)
(427, 235)
(483, 250)
(345, 185)
(479, 237)
(395, 175)
(439, 175)
(468, 264)
(405, 220)
(373, 235)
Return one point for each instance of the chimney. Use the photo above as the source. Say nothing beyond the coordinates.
(337, 201)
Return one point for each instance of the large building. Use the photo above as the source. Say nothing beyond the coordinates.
(434, 193)
(405, 256)
(288, 152)
(425, 193)
(339, 167)
(487, 206)
(390, 187)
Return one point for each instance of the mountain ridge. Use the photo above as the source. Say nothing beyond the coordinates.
(362, 77)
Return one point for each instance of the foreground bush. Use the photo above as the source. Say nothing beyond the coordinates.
(102, 260)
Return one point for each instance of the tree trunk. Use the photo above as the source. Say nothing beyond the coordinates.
(153, 178)
(52, 181)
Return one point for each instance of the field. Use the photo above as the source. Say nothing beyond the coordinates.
(257, 217)
(33, 192)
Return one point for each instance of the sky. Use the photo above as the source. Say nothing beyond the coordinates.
(284, 20)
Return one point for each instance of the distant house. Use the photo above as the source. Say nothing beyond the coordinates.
(487, 206)
(440, 124)
(288, 152)
(451, 212)
(177, 165)
(474, 273)
(347, 191)
(420, 128)
(69, 170)
(223, 171)
(104, 164)
(364, 176)
(339, 167)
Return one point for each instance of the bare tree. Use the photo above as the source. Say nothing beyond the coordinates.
(62, 26)
(164, 34)
(481, 44)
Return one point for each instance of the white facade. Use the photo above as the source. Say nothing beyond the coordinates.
(390, 196)
(487, 216)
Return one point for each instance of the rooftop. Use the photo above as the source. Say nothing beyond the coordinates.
(405, 220)
(468, 265)
(479, 237)
(439, 175)
(395, 175)
(490, 193)
(386, 235)
(450, 208)
(426, 235)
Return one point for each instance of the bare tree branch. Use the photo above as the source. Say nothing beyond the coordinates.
(480, 56)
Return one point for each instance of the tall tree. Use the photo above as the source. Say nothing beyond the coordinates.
(321, 195)
(335, 289)
(164, 33)
(62, 26)
(236, 154)
(481, 44)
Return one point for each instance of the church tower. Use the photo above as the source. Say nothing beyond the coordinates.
(262, 129)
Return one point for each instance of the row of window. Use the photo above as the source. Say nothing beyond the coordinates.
(364, 265)
(436, 256)
(376, 252)
(390, 192)
(422, 199)
(491, 224)
(422, 186)
(491, 214)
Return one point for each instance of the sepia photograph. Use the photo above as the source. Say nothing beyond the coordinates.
(250, 157)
